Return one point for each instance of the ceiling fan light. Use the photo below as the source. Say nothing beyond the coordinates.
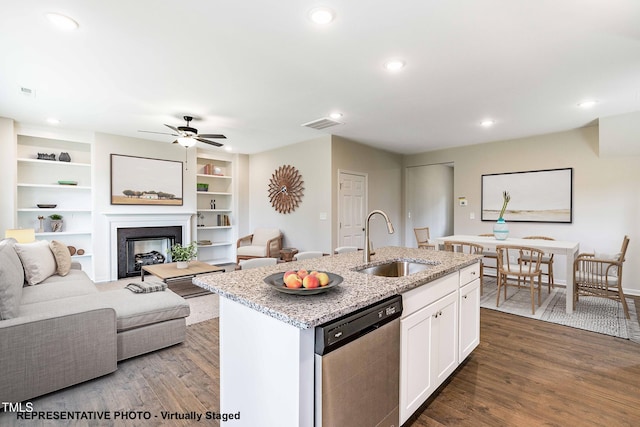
(186, 142)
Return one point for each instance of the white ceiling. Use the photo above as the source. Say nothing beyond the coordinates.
(256, 70)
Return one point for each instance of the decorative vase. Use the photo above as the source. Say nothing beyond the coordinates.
(56, 225)
(183, 264)
(500, 229)
(64, 157)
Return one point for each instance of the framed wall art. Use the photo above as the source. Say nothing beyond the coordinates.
(536, 196)
(145, 181)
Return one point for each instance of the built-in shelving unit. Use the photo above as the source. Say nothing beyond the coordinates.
(38, 182)
(215, 228)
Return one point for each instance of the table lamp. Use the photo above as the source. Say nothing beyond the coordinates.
(22, 235)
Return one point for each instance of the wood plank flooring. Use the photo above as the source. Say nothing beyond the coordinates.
(524, 373)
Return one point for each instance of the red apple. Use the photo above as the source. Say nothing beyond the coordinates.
(293, 281)
(310, 282)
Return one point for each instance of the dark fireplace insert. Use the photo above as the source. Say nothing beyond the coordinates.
(140, 246)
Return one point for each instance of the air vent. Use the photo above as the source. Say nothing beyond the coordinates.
(322, 123)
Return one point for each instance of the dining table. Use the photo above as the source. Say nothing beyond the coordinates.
(566, 248)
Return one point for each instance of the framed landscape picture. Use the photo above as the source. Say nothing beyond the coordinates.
(145, 181)
(536, 196)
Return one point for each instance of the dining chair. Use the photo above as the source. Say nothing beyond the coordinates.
(488, 254)
(422, 237)
(345, 249)
(467, 248)
(257, 262)
(307, 255)
(547, 260)
(600, 275)
(523, 264)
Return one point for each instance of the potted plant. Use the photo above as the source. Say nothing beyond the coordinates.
(56, 222)
(183, 254)
(201, 186)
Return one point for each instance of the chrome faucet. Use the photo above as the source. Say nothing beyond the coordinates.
(367, 243)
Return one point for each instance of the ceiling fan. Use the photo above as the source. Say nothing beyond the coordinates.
(187, 136)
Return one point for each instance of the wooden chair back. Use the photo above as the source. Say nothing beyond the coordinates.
(422, 237)
(463, 247)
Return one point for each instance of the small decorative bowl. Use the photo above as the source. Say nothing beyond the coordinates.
(46, 206)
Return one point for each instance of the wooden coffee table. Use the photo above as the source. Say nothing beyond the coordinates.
(179, 279)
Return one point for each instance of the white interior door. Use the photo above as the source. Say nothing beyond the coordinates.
(352, 205)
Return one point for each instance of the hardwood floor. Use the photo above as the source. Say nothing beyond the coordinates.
(524, 373)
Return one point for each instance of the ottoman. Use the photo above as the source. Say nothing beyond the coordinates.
(146, 321)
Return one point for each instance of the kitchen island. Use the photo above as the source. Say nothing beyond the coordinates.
(267, 337)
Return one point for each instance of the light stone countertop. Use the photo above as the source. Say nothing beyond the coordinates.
(356, 291)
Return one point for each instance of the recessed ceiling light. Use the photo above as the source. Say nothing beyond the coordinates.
(335, 115)
(53, 121)
(487, 123)
(394, 65)
(587, 104)
(227, 148)
(322, 15)
(62, 22)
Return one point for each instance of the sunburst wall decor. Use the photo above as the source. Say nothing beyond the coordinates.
(285, 189)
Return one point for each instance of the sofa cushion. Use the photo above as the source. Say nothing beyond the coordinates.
(136, 310)
(55, 287)
(262, 235)
(62, 256)
(11, 280)
(37, 260)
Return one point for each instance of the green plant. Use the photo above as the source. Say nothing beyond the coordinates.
(55, 217)
(183, 253)
(505, 200)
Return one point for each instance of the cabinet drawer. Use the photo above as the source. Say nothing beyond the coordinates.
(469, 274)
(428, 293)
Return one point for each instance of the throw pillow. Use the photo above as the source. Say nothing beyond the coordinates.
(62, 255)
(11, 280)
(37, 260)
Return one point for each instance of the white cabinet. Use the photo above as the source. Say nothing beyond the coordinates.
(214, 222)
(428, 352)
(469, 318)
(440, 326)
(65, 184)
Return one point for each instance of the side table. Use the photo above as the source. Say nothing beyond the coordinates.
(287, 254)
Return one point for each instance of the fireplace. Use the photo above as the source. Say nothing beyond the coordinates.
(140, 246)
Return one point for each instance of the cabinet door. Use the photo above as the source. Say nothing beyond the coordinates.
(469, 318)
(445, 338)
(428, 352)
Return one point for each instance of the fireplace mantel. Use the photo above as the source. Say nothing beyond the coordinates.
(142, 219)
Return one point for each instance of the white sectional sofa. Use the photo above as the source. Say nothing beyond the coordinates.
(60, 330)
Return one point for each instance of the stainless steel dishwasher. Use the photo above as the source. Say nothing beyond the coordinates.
(357, 364)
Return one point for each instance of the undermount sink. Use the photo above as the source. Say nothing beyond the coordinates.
(397, 268)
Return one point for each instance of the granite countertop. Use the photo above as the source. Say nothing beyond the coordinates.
(356, 291)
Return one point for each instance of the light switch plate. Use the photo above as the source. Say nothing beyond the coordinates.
(323, 216)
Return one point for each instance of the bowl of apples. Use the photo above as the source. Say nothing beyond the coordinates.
(303, 282)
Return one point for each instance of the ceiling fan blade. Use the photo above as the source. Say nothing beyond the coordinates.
(212, 135)
(160, 133)
(173, 128)
(217, 144)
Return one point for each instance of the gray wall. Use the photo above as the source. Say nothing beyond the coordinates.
(303, 228)
(384, 172)
(606, 194)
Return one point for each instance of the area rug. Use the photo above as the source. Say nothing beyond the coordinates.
(590, 313)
